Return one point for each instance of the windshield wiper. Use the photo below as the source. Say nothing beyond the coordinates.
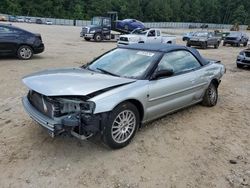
(107, 72)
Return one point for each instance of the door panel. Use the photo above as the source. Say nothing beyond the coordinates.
(182, 89)
(170, 94)
(8, 40)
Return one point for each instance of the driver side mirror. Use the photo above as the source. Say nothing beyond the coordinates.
(162, 74)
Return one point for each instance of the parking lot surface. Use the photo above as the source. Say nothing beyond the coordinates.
(195, 147)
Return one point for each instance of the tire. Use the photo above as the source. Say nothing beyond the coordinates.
(117, 133)
(216, 46)
(224, 44)
(87, 39)
(238, 44)
(240, 66)
(98, 37)
(25, 52)
(245, 44)
(211, 96)
(188, 45)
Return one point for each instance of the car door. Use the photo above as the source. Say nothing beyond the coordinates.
(177, 91)
(211, 39)
(8, 40)
(152, 37)
(106, 27)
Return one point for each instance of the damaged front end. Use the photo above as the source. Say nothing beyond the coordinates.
(73, 114)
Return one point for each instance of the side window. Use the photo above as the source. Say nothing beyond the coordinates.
(106, 22)
(179, 61)
(6, 30)
(151, 33)
(158, 33)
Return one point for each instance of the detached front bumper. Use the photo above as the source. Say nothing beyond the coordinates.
(51, 125)
(88, 124)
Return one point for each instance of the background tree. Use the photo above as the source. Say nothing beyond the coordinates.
(208, 11)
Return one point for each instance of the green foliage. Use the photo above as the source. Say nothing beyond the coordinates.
(205, 11)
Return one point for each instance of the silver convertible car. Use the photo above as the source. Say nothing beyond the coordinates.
(119, 91)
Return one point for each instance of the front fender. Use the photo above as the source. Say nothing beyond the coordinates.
(109, 100)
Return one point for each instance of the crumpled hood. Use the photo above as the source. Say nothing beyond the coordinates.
(71, 81)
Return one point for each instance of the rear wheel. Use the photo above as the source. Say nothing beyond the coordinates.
(98, 37)
(211, 96)
(24, 52)
(122, 126)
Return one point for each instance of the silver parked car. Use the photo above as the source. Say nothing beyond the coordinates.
(120, 90)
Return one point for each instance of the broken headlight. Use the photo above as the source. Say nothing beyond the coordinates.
(87, 107)
(75, 105)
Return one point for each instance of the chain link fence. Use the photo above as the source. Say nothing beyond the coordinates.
(170, 25)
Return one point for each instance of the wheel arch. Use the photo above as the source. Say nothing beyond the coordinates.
(216, 82)
(23, 44)
(137, 104)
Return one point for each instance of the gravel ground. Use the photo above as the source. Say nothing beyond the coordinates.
(195, 147)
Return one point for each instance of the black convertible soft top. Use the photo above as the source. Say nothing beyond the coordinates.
(165, 48)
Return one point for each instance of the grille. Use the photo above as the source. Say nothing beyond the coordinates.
(44, 104)
(84, 30)
(247, 54)
(123, 39)
(231, 38)
(245, 61)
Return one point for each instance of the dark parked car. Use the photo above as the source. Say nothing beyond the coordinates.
(129, 24)
(243, 58)
(204, 39)
(236, 39)
(122, 89)
(39, 21)
(18, 42)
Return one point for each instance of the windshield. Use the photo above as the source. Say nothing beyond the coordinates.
(124, 63)
(96, 21)
(139, 32)
(234, 34)
(201, 34)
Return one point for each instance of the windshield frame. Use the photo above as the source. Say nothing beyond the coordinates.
(144, 76)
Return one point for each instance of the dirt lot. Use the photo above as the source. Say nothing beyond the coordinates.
(191, 148)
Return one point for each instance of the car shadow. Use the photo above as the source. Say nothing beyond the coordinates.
(13, 58)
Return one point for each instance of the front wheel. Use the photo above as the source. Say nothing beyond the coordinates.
(188, 45)
(24, 52)
(98, 37)
(211, 96)
(122, 126)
